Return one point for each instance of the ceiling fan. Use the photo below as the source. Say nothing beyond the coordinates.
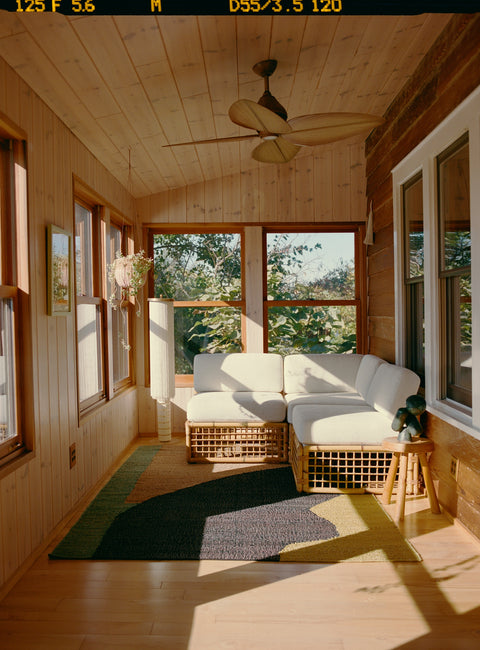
(283, 138)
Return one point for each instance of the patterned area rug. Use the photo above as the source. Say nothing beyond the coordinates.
(159, 507)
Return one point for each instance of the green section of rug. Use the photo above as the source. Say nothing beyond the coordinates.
(84, 537)
(256, 516)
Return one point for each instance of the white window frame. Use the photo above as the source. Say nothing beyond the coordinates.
(465, 118)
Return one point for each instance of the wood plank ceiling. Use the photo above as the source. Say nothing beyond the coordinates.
(127, 85)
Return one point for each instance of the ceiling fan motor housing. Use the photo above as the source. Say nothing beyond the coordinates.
(269, 101)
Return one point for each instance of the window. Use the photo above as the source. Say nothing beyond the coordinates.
(412, 193)
(90, 319)
(455, 275)
(437, 316)
(202, 273)
(121, 316)
(311, 298)
(260, 289)
(13, 297)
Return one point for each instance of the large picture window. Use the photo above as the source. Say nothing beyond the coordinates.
(302, 294)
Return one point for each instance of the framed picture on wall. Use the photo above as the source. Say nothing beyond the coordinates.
(59, 271)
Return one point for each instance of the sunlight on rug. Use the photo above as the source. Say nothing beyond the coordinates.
(233, 513)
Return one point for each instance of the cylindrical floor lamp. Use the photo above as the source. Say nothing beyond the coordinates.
(162, 362)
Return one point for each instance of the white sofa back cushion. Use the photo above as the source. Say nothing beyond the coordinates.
(321, 373)
(238, 371)
(390, 388)
(366, 372)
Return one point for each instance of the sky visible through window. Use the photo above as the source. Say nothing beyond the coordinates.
(335, 248)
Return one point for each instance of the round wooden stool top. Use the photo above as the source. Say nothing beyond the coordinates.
(416, 446)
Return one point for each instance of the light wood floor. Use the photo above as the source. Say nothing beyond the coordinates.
(246, 605)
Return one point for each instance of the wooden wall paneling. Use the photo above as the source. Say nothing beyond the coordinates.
(35, 488)
(268, 187)
(231, 193)
(323, 184)
(304, 191)
(249, 195)
(358, 187)
(342, 184)
(286, 192)
(154, 209)
(196, 203)
(3, 539)
(10, 531)
(177, 205)
(214, 201)
(23, 510)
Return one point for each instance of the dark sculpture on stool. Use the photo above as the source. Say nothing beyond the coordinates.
(406, 420)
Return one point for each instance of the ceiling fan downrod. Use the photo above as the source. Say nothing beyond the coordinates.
(265, 69)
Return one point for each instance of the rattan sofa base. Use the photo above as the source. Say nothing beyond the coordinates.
(329, 468)
(230, 442)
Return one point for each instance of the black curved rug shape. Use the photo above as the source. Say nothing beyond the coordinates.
(243, 517)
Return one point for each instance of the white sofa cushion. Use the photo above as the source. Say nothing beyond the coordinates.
(236, 406)
(321, 373)
(390, 387)
(340, 425)
(366, 371)
(238, 371)
(336, 399)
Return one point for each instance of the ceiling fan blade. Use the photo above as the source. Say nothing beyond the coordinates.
(233, 138)
(275, 151)
(321, 128)
(246, 113)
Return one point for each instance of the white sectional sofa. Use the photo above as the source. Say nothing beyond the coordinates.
(335, 410)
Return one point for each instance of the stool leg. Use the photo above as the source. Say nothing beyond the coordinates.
(432, 496)
(392, 473)
(402, 487)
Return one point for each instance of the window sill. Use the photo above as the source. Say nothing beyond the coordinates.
(13, 464)
(455, 417)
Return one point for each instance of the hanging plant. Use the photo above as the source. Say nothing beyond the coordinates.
(129, 273)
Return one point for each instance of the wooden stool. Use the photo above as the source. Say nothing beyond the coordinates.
(401, 451)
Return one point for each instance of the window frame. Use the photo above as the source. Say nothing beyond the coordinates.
(96, 299)
(127, 247)
(253, 304)
(465, 118)
(103, 215)
(413, 287)
(14, 285)
(359, 302)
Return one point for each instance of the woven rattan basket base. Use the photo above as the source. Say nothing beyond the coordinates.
(248, 442)
(328, 468)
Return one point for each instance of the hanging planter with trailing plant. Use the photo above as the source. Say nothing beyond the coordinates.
(129, 273)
